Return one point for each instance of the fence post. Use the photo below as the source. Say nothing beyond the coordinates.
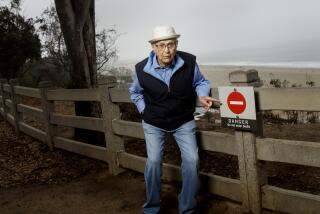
(3, 99)
(15, 99)
(250, 176)
(47, 108)
(114, 143)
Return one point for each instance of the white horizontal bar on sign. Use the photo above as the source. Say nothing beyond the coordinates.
(236, 102)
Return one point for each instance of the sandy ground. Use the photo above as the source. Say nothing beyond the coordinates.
(219, 75)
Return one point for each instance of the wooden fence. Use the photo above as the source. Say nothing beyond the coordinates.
(251, 190)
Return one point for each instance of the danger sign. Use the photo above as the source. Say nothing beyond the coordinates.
(236, 102)
(238, 107)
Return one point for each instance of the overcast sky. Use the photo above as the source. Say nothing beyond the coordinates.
(217, 31)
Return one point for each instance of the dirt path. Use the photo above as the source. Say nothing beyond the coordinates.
(98, 193)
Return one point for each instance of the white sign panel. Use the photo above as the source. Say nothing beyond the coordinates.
(238, 107)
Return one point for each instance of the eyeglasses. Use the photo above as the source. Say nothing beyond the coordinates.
(163, 46)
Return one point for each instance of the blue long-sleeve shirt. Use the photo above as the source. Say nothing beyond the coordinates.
(201, 85)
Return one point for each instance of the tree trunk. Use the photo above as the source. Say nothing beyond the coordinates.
(77, 20)
(77, 25)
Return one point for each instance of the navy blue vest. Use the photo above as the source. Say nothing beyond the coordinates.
(169, 107)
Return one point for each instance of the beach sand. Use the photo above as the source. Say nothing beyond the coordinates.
(219, 74)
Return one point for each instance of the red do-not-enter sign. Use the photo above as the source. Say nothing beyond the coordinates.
(236, 102)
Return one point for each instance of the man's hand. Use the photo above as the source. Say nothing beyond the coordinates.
(207, 101)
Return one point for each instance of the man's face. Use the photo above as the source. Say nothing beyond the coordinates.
(165, 51)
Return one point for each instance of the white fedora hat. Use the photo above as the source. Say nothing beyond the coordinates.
(163, 32)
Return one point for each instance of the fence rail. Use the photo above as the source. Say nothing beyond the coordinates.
(26, 91)
(275, 198)
(74, 95)
(88, 150)
(248, 149)
(302, 99)
(31, 111)
(33, 132)
(289, 151)
(10, 119)
(89, 123)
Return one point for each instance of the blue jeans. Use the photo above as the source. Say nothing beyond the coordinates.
(186, 140)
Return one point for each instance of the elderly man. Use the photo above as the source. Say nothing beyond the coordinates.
(165, 90)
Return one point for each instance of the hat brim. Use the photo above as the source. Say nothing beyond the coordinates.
(164, 38)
